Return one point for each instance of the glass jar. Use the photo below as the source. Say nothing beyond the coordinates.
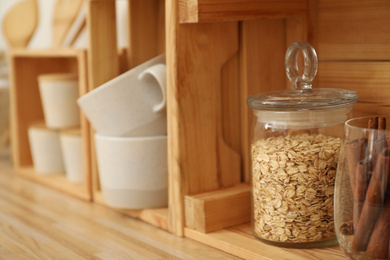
(362, 193)
(295, 141)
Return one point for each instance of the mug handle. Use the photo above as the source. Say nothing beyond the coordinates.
(159, 72)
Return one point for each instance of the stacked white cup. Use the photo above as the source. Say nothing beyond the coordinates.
(128, 114)
(54, 148)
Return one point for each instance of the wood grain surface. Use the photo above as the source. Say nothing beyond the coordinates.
(40, 223)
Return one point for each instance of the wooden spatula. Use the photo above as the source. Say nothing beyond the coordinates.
(20, 22)
(65, 13)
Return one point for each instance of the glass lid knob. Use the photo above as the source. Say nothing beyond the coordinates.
(301, 82)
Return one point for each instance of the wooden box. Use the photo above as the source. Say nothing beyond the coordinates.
(26, 109)
(219, 53)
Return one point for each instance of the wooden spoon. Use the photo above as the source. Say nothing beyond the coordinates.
(20, 22)
(65, 13)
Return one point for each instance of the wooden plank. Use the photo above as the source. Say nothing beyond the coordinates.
(194, 11)
(194, 61)
(354, 30)
(146, 32)
(240, 242)
(215, 210)
(261, 69)
(370, 79)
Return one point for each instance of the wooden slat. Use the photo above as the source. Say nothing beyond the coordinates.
(370, 79)
(146, 30)
(215, 210)
(240, 242)
(354, 30)
(103, 61)
(194, 11)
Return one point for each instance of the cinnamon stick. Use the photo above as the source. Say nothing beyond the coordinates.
(378, 247)
(362, 173)
(373, 202)
(355, 151)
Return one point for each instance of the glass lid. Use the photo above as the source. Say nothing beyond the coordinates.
(302, 96)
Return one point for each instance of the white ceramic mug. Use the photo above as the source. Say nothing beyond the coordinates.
(59, 94)
(72, 151)
(132, 104)
(45, 149)
(133, 171)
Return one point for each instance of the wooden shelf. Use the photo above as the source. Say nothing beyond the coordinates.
(195, 11)
(56, 181)
(26, 109)
(157, 216)
(240, 242)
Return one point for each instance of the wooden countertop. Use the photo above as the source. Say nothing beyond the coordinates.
(40, 223)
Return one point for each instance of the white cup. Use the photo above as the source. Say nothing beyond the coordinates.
(59, 93)
(72, 151)
(45, 149)
(132, 104)
(133, 171)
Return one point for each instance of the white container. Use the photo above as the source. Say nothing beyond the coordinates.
(132, 104)
(45, 149)
(72, 151)
(133, 171)
(59, 94)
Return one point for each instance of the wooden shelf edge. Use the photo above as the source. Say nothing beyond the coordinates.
(65, 52)
(157, 217)
(196, 11)
(240, 242)
(56, 181)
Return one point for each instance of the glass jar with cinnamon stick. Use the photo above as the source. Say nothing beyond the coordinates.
(362, 194)
(295, 142)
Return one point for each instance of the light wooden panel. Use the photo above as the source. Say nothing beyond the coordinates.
(370, 79)
(193, 11)
(354, 29)
(146, 30)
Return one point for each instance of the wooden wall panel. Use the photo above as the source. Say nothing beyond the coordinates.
(262, 69)
(146, 30)
(370, 79)
(354, 30)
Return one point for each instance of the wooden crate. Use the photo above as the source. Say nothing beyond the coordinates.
(26, 108)
(218, 54)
